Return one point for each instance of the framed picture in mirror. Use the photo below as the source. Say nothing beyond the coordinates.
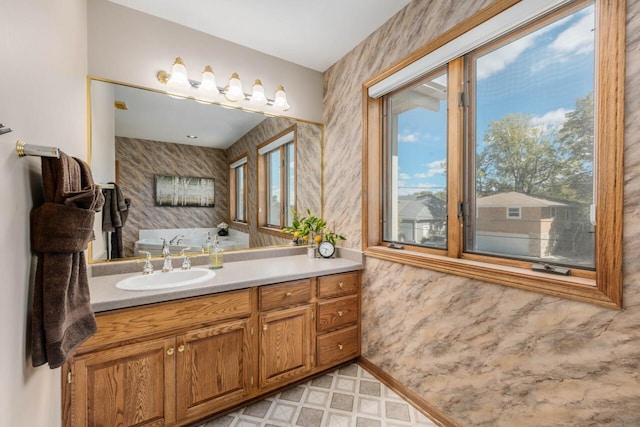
(184, 191)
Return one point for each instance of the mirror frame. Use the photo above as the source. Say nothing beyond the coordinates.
(91, 78)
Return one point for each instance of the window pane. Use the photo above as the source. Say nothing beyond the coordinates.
(273, 206)
(240, 193)
(291, 183)
(416, 160)
(533, 131)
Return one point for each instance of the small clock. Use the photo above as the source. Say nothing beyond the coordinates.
(326, 249)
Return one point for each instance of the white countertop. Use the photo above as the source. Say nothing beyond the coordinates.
(234, 275)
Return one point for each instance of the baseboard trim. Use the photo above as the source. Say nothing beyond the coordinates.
(429, 411)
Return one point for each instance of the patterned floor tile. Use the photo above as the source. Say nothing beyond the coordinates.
(346, 397)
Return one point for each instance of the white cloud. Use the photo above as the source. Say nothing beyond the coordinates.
(407, 136)
(499, 59)
(434, 168)
(404, 176)
(550, 120)
(577, 39)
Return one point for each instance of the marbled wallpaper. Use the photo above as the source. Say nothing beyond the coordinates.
(138, 160)
(485, 354)
(308, 170)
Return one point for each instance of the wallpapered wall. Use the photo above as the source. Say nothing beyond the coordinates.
(485, 354)
(308, 170)
(138, 160)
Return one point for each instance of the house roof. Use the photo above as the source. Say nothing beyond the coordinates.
(421, 207)
(513, 198)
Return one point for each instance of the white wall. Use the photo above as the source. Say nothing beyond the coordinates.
(42, 98)
(129, 46)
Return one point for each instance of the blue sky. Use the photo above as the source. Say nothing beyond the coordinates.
(541, 75)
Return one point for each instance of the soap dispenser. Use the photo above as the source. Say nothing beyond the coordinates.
(208, 245)
(215, 256)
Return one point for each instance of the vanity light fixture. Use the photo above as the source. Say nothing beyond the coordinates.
(234, 90)
(257, 94)
(208, 83)
(178, 77)
(207, 87)
(281, 99)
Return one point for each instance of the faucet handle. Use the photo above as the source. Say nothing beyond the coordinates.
(186, 263)
(148, 267)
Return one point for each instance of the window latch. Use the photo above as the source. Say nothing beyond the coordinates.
(547, 268)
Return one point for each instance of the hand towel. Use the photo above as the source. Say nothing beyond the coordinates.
(114, 217)
(61, 228)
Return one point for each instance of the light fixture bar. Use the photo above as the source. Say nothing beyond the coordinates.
(279, 102)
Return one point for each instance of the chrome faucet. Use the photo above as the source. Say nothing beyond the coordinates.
(176, 239)
(167, 266)
(148, 267)
(186, 262)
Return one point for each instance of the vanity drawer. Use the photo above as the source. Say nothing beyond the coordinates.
(130, 324)
(337, 313)
(285, 294)
(338, 285)
(337, 346)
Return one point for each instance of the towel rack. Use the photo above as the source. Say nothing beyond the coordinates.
(23, 149)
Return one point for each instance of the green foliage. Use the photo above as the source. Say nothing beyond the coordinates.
(332, 237)
(519, 156)
(305, 227)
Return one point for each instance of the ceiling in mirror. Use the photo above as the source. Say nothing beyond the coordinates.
(157, 117)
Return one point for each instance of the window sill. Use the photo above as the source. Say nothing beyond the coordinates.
(274, 232)
(239, 225)
(577, 288)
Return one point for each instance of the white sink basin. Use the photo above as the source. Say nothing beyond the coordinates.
(160, 280)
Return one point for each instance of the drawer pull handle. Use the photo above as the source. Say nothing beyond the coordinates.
(340, 346)
(288, 294)
(180, 348)
(340, 314)
(170, 351)
(341, 285)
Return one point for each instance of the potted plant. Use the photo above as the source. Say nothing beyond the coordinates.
(223, 229)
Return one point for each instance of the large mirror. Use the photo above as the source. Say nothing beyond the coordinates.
(145, 143)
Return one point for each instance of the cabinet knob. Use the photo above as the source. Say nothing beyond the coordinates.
(180, 348)
(170, 351)
(288, 294)
(341, 285)
(265, 327)
(340, 346)
(340, 314)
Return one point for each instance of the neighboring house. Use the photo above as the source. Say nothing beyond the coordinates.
(423, 219)
(524, 225)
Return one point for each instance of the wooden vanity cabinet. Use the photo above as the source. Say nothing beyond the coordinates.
(162, 364)
(338, 326)
(286, 326)
(213, 367)
(124, 386)
(178, 362)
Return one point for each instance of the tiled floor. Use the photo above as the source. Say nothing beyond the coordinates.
(347, 397)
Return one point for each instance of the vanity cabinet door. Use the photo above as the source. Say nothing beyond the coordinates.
(285, 345)
(213, 368)
(132, 385)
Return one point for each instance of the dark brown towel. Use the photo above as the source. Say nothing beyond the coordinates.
(61, 228)
(114, 217)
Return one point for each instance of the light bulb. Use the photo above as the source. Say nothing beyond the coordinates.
(234, 91)
(280, 102)
(208, 83)
(178, 75)
(257, 96)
